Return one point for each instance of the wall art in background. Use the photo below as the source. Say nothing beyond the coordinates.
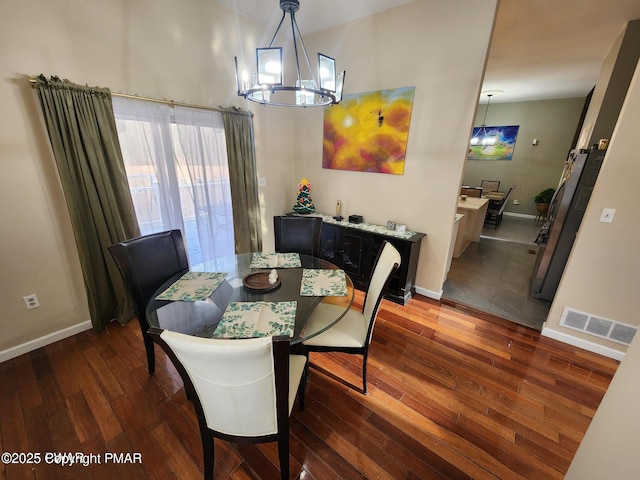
(492, 143)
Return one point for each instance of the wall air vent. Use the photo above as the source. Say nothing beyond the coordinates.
(600, 327)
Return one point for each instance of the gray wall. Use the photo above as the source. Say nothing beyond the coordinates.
(532, 169)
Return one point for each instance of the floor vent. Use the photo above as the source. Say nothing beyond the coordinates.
(600, 327)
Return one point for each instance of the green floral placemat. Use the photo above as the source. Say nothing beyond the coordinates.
(193, 286)
(275, 260)
(323, 283)
(257, 319)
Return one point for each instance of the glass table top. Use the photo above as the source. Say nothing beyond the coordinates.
(201, 317)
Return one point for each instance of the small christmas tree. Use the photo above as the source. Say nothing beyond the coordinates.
(304, 202)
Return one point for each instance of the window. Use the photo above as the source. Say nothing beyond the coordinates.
(176, 163)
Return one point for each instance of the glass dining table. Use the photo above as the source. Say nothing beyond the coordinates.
(202, 317)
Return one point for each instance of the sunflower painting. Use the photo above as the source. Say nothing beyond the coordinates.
(368, 131)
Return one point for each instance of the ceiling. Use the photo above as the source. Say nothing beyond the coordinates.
(541, 49)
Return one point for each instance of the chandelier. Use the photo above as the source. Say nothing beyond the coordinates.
(482, 136)
(267, 86)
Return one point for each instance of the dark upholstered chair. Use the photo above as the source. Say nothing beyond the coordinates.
(297, 234)
(495, 210)
(352, 334)
(145, 264)
(243, 391)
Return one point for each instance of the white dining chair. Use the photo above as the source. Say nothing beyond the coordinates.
(352, 334)
(243, 391)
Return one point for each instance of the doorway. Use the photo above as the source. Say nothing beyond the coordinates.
(493, 275)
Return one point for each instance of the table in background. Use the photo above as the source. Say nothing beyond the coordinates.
(494, 196)
(201, 318)
(495, 199)
(475, 211)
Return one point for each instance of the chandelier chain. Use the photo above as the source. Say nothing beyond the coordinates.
(484, 121)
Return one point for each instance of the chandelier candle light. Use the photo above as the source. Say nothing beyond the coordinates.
(267, 85)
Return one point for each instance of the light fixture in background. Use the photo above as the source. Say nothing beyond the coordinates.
(483, 137)
(267, 86)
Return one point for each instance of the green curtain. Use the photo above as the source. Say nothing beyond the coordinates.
(247, 226)
(85, 145)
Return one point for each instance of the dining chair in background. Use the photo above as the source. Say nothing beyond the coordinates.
(145, 264)
(353, 332)
(242, 391)
(490, 186)
(495, 210)
(297, 234)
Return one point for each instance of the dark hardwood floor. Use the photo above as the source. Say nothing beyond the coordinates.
(451, 396)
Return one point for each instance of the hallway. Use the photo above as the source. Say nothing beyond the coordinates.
(494, 275)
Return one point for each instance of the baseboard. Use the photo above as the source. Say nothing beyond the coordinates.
(429, 293)
(521, 215)
(48, 339)
(581, 343)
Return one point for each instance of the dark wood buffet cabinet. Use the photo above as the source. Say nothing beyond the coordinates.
(353, 248)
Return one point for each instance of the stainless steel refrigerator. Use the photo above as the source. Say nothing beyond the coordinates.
(557, 235)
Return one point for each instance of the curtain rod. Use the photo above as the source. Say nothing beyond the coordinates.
(173, 103)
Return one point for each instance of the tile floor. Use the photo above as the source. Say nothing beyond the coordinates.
(494, 275)
(514, 229)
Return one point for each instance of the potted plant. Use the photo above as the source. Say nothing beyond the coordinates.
(542, 201)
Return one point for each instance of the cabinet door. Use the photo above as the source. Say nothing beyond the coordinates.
(346, 249)
(330, 243)
(352, 251)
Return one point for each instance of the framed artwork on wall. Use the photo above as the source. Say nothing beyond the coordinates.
(493, 143)
(368, 132)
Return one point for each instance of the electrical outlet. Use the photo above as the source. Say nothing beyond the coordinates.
(31, 301)
(516, 202)
(607, 215)
(262, 182)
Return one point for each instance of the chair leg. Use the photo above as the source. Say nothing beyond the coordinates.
(151, 356)
(307, 377)
(364, 374)
(207, 450)
(283, 454)
(301, 389)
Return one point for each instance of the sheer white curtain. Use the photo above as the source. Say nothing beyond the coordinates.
(177, 167)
